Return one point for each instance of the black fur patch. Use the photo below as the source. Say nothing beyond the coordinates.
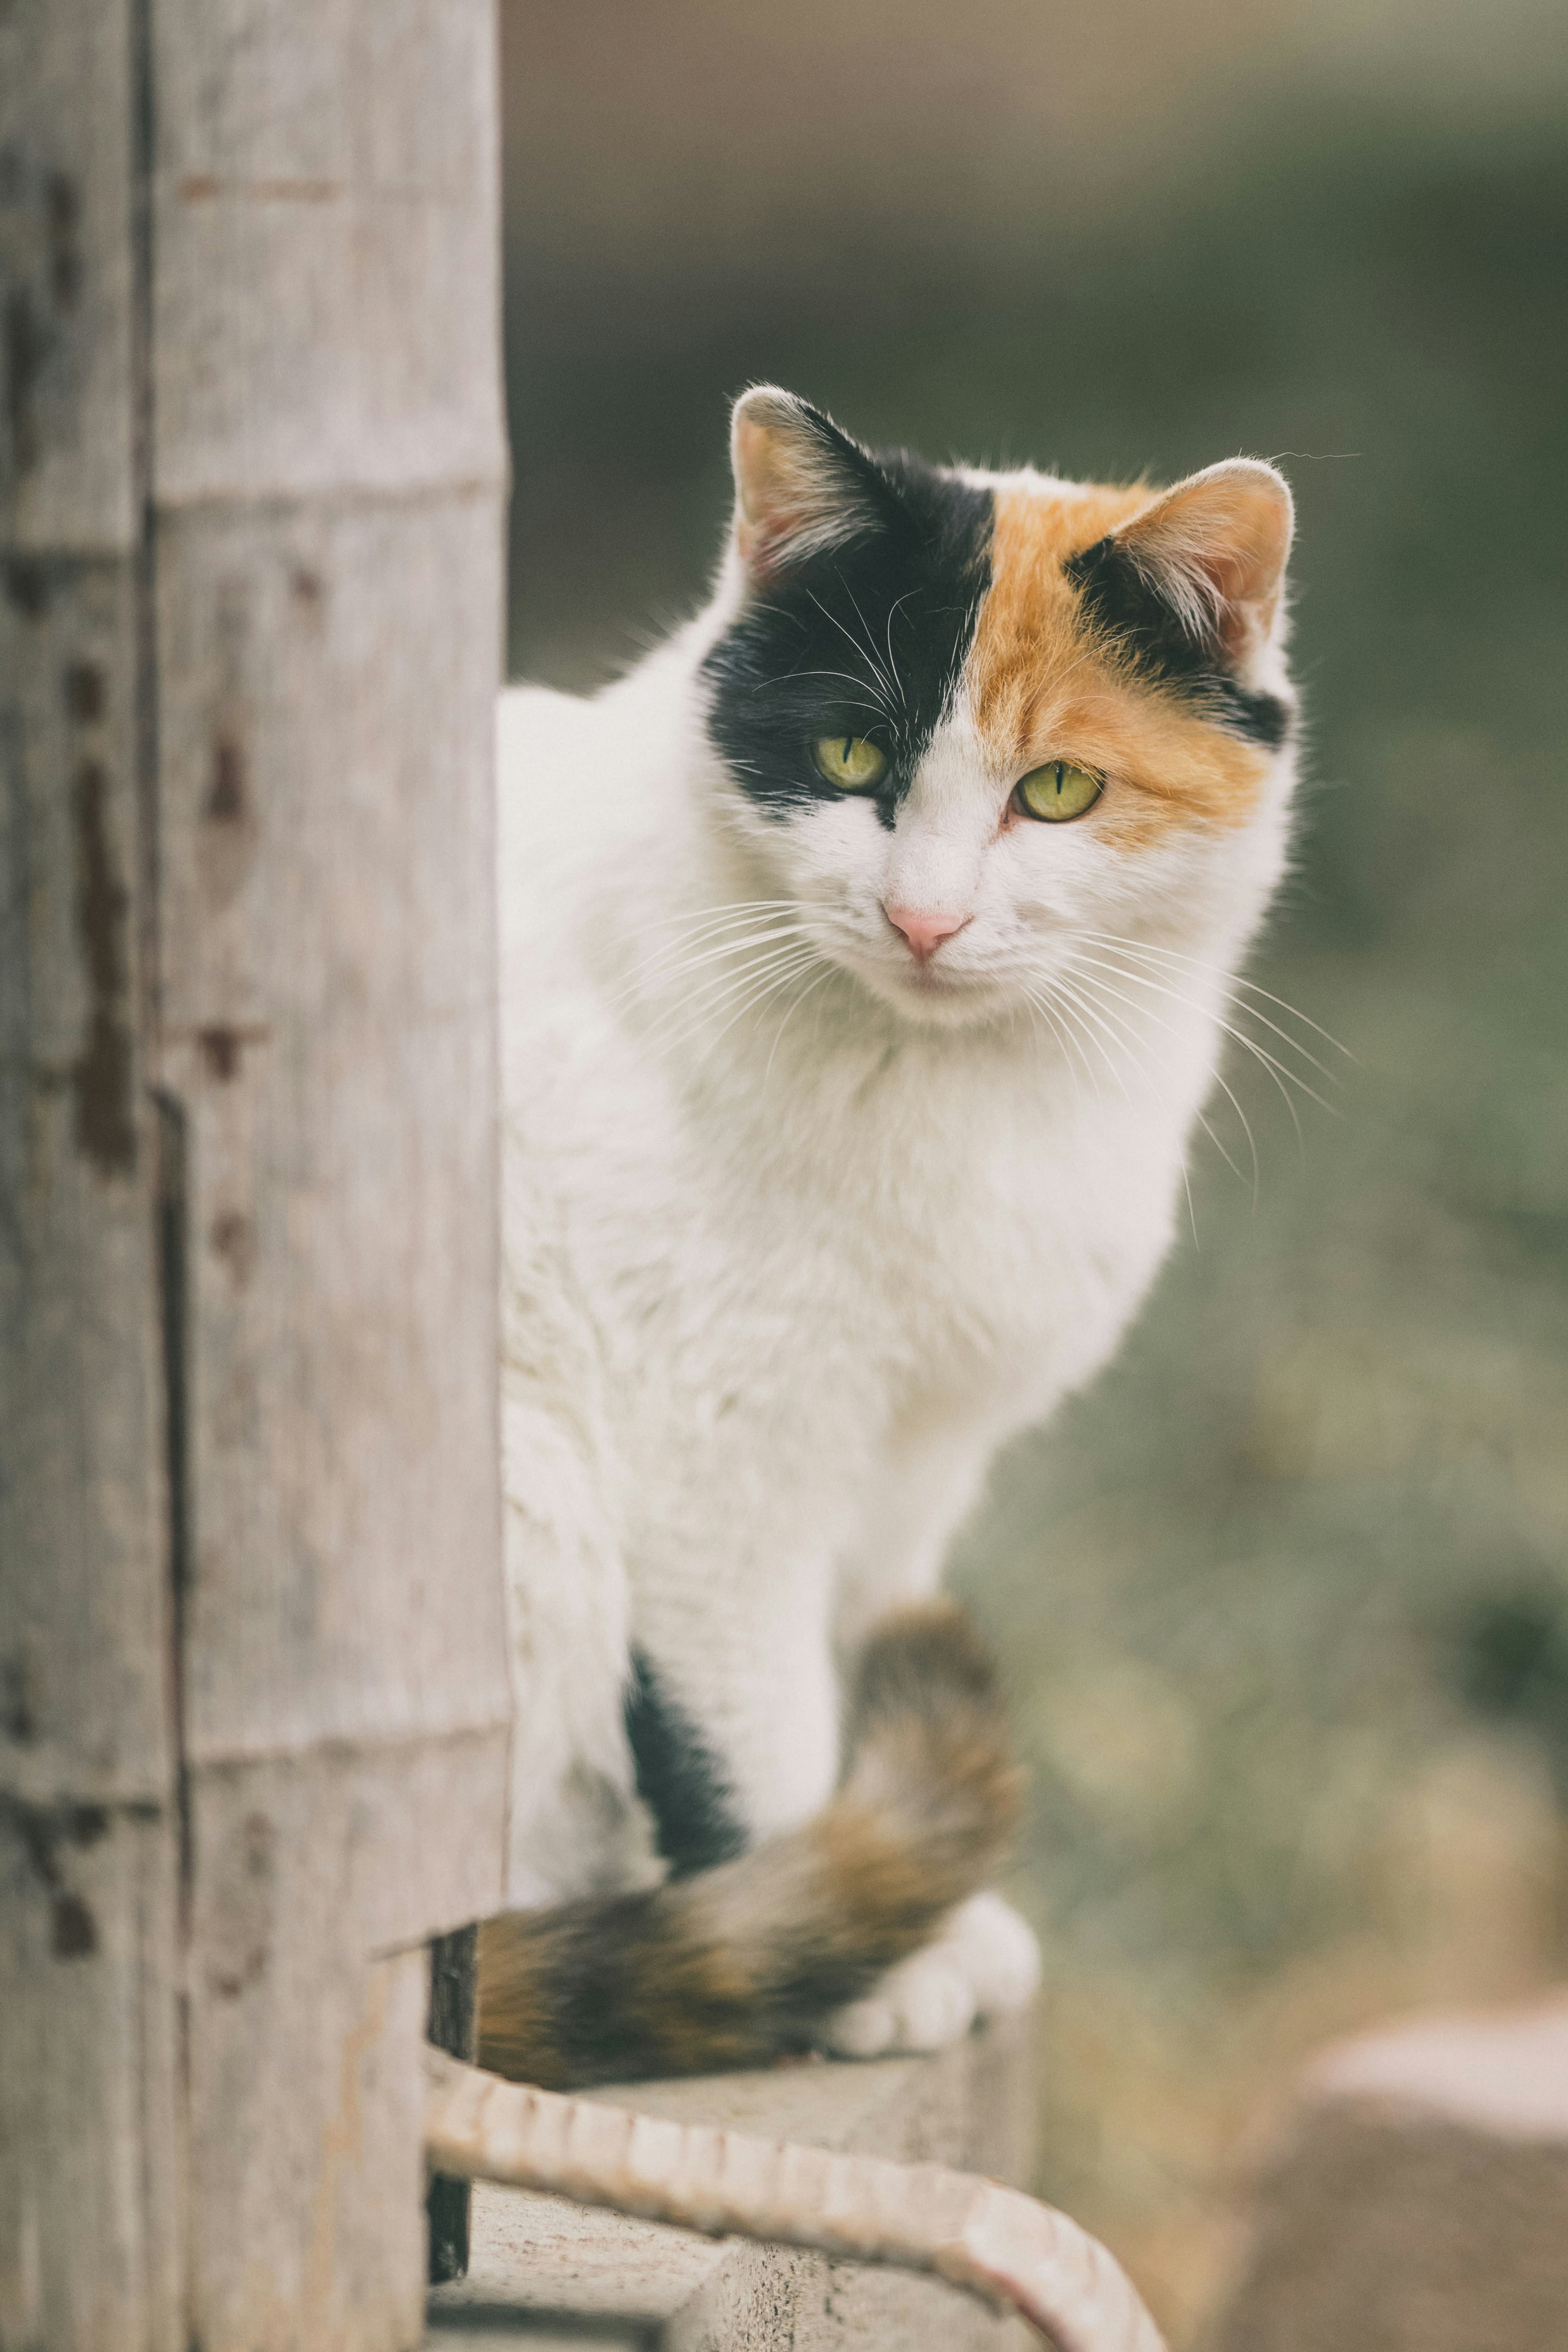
(678, 1778)
(866, 638)
(1120, 602)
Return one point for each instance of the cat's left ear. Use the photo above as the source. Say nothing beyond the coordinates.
(1214, 549)
(800, 485)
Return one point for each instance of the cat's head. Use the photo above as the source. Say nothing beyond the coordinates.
(966, 721)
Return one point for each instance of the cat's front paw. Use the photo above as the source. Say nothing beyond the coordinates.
(985, 1963)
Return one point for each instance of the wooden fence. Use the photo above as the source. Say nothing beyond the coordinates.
(253, 1708)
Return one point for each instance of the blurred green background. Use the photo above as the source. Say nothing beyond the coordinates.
(1286, 1597)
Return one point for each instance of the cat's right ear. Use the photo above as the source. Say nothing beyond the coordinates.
(800, 485)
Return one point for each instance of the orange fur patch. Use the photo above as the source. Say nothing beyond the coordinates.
(1042, 688)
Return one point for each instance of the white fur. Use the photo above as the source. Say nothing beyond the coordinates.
(780, 1280)
(985, 1963)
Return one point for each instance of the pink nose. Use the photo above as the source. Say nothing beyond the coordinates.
(924, 933)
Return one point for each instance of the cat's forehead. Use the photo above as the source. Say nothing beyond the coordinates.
(1030, 636)
(1061, 515)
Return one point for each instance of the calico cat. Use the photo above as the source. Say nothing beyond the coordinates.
(865, 959)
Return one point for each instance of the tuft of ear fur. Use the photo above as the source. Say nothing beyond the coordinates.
(800, 485)
(1215, 549)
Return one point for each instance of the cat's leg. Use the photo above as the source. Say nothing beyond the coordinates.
(575, 1825)
(984, 1962)
(930, 1476)
(734, 1710)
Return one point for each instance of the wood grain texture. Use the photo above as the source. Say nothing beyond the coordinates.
(253, 1707)
(328, 304)
(91, 2254)
(325, 890)
(328, 468)
(84, 1647)
(68, 422)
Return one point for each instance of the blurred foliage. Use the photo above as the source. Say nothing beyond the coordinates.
(1286, 1597)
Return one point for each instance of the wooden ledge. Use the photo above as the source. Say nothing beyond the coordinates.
(546, 2273)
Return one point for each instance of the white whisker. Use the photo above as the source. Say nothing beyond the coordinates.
(715, 985)
(881, 680)
(787, 676)
(716, 914)
(891, 614)
(759, 996)
(1078, 1032)
(659, 972)
(717, 939)
(1242, 1010)
(1087, 1011)
(891, 682)
(789, 1015)
(712, 999)
(1086, 1006)
(1279, 1071)
(1037, 1011)
(1232, 980)
(1147, 1014)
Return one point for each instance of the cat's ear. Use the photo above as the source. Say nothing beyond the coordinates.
(1214, 549)
(800, 485)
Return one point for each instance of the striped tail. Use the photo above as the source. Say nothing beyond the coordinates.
(744, 1963)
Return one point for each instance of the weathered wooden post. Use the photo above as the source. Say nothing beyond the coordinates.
(253, 1714)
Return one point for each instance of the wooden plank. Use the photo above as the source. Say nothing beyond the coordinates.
(67, 261)
(328, 478)
(84, 1647)
(327, 1020)
(89, 2219)
(291, 1890)
(306, 2224)
(91, 2256)
(90, 2248)
(328, 244)
(326, 890)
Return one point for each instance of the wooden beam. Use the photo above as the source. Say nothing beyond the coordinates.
(252, 1704)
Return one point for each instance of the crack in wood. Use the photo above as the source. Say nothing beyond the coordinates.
(102, 1078)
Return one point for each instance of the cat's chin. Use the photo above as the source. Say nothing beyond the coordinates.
(937, 1000)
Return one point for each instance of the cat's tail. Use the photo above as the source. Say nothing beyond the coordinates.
(744, 1963)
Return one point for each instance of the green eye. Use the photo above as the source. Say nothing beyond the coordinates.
(853, 762)
(1057, 792)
